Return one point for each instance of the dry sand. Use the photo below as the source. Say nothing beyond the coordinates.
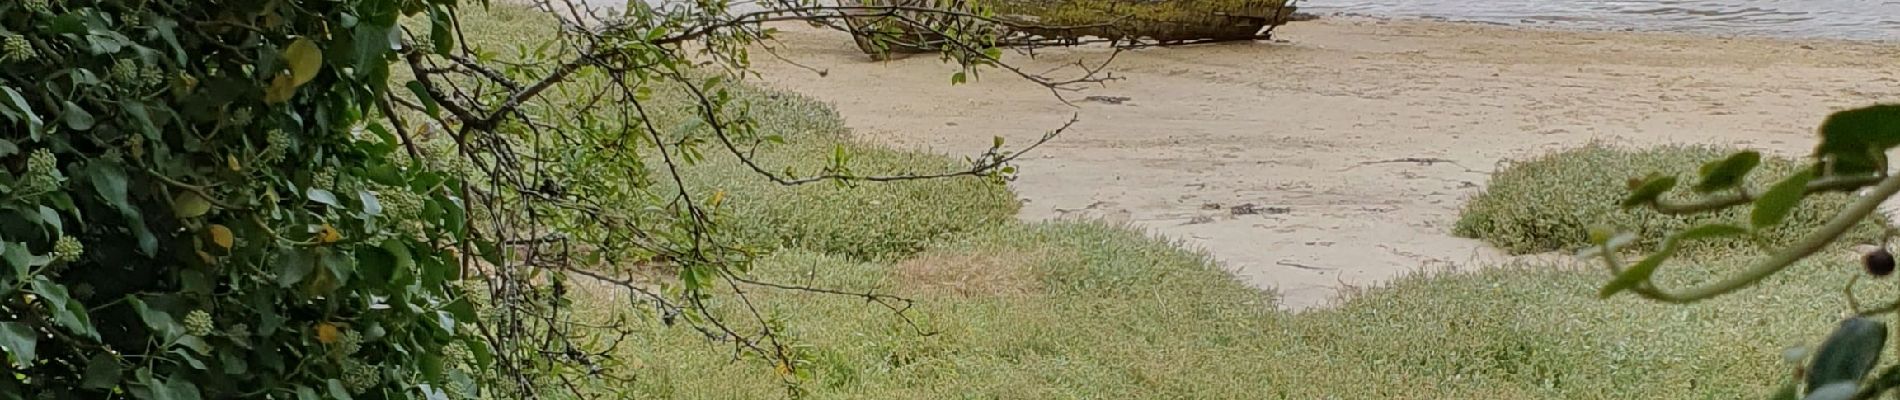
(1303, 128)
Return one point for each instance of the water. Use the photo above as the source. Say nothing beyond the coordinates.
(1835, 19)
(1831, 19)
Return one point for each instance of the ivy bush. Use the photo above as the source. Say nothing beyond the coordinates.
(197, 200)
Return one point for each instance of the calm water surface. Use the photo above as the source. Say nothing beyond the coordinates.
(1838, 19)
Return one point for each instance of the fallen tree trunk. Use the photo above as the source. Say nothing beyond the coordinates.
(1069, 22)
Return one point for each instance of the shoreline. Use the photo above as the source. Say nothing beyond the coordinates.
(1576, 29)
(1301, 134)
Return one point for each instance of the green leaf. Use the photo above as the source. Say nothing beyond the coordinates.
(1649, 190)
(1855, 141)
(66, 312)
(50, 217)
(422, 94)
(1834, 391)
(293, 266)
(958, 78)
(441, 29)
(196, 344)
(102, 372)
(337, 391)
(1780, 200)
(1635, 274)
(1728, 172)
(370, 205)
(1847, 354)
(179, 389)
(109, 181)
(157, 320)
(76, 117)
(19, 110)
(189, 204)
(19, 258)
(305, 61)
(370, 42)
(321, 196)
(1646, 268)
(19, 341)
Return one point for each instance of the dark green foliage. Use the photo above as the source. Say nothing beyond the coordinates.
(195, 202)
(1848, 354)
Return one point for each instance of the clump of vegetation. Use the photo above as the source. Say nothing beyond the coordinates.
(879, 221)
(1549, 203)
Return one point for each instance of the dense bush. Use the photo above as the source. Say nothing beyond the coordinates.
(199, 204)
(1549, 202)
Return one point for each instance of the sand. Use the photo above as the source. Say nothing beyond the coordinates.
(1309, 132)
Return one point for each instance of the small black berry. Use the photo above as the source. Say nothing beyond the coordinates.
(1879, 262)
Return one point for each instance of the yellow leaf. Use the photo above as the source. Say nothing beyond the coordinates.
(717, 197)
(327, 333)
(304, 59)
(231, 162)
(190, 204)
(221, 236)
(784, 369)
(327, 234)
(280, 89)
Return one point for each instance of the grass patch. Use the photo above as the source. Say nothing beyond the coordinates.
(1091, 310)
(1547, 203)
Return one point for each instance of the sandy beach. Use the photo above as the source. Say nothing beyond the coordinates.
(1338, 155)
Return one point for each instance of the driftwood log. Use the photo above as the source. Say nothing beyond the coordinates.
(1068, 22)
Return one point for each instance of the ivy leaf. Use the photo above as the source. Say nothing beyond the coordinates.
(1648, 190)
(66, 312)
(1728, 172)
(370, 205)
(109, 181)
(321, 196)
(18, 257)
(441, 29)
(1775, 205)
(292, 267)
(337, 391)
(1847, 354)
(102, 372)
(19, 110)
(190, 204)
(19, 340)
(1834, 391)
(157, 320)
(280, 89)
(221, 236)
(1646, 268)
(371, 41)
(1855, 141)
(76, 117)
(422, 94)
(305, 61)
(178, 389)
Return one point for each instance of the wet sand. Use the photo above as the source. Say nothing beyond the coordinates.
(1288, 161)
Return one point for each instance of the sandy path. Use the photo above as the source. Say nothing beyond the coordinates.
(1286, 126)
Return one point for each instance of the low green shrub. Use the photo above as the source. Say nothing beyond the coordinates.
(1547, 203)
(866, 221)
